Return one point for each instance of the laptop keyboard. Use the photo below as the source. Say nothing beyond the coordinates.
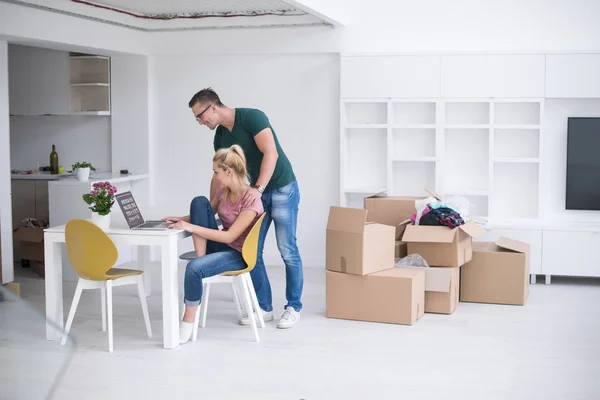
(152, 224)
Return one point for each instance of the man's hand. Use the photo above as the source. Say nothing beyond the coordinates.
(250, 196)
(174, 219)
(181, 224)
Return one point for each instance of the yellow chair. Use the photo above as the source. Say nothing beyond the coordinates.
(239, 278)
(93, 255)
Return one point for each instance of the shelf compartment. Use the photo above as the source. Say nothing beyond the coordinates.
(411, 177)
(516, 143)
(411, 143)
(466, 163)
(467, 113)
(89, 98)
(365, 160)
(517, 113)
(413, 113)
(89, 69)
(515, 198)
(516, 160)
(366, 113)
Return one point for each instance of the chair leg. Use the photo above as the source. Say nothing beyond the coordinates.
(103, 301)
(109, 314)
(236, 299)
(142, 294)
(248, 281)
(74, 304)
(249, 308)
(204, 304)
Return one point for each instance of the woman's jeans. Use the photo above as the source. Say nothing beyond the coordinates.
(219, 257)
(281, 207)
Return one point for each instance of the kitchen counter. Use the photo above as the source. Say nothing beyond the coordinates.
(46, 176)
(71, 180)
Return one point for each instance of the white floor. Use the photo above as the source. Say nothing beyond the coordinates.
(548, 349)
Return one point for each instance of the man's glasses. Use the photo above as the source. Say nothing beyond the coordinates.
(199, 116)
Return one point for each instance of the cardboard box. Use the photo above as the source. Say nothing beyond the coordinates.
(442, 246)
(498, 273)
(31, 243)
(442, 297)
(441, 289)
(390, 210)
(354, 246)
(394, 296)
(31, 247)
(401, 249)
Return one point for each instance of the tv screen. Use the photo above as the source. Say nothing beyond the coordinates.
(583, 164)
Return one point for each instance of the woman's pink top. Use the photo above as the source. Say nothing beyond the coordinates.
(228, 213)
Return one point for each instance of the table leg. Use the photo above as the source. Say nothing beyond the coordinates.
(143, 262)
(170, 296)
(54, 288)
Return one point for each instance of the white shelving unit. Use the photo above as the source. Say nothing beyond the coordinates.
(89, 79)
(487, 150)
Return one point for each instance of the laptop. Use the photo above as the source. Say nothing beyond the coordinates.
(133, 216)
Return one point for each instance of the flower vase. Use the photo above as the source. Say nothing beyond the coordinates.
(103, 221)
(83, 174)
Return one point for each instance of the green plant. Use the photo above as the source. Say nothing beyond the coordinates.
(101, 197)
(83, 164)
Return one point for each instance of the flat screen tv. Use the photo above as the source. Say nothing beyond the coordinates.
(583, 164)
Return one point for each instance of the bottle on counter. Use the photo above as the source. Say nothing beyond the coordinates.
(54, 161)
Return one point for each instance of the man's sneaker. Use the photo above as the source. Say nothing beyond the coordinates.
(267, 316)
(289, 318)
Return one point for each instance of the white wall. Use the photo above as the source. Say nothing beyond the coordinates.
(441, 26)
(554, 157)
(299, 93)
(6, 263)
(77, 138)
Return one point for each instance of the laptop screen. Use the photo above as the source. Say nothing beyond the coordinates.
(130, 209)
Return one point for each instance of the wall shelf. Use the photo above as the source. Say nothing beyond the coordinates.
(89, 84)
(482, 149)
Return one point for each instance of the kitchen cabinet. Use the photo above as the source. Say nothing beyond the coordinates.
(49, 77)
(38, 81)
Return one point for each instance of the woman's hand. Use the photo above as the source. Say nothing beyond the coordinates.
(183, 225)
(174, 219)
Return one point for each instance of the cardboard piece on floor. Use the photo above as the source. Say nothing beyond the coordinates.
(354, 246)
(497, 274)
(441, 289)
(391, 210)
(394, 296)
(442, 246)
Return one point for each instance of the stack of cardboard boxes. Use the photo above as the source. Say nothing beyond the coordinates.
(364, 283)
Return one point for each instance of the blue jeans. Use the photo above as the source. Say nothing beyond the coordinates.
(219, 257)
(281, 207)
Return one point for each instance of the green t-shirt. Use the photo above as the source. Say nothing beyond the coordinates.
(248, 123)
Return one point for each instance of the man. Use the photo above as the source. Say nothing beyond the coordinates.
(272, 179)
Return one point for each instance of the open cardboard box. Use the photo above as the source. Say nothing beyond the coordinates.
(355, 246)
(442, 246)
(390, 210)
(497, 274)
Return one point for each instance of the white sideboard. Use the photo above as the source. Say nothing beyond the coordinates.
(557, 248)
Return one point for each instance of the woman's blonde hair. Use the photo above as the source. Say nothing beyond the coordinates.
(233, 158)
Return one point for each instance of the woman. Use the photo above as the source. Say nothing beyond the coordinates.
(217, 250)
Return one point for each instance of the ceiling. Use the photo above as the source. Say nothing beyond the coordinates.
(175, 15)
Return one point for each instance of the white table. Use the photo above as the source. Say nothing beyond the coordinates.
(166, 240)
